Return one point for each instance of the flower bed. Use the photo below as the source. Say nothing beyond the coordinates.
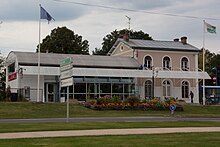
(131, 103)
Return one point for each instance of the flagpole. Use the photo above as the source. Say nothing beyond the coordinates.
(203, 63)
(38, 75)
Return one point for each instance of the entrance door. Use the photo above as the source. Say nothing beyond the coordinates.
(148, 89)
(50, 92)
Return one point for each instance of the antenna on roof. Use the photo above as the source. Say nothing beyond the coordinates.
(129, 22)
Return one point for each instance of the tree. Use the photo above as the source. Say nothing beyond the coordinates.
(208, 60)
(63, 40)
(212, 60)
(110, 39)
(2, 78)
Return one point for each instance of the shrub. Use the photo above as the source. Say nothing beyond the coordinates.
(132, 100)
(159, 105)
(169, 101)
(104, 100)
(116, 99)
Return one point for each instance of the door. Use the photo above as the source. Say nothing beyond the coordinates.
(50, 92)
(148, 89)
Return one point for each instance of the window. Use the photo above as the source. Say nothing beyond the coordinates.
(121, 48)
(148, 89)
(166, 88)
(26, 91)
(105, 88)
(11, 68)
(184, 64)
(166, 63)
(80, 88)
(148, 62)
(185, 89)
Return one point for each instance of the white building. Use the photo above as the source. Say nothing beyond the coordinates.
(170, 70)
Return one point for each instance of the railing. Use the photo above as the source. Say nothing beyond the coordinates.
(173, 69)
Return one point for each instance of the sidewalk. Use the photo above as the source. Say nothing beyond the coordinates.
(106, 132)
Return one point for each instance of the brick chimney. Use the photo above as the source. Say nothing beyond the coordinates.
(184, 40)
(126, 36)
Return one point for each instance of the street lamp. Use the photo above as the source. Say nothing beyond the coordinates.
(153, 77)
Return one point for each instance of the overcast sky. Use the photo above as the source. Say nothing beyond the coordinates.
(20, 28)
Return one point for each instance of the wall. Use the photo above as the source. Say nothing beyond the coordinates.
(157, 57)
(31, 81)
(122, 50)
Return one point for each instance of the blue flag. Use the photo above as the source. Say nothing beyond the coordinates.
(45, 15)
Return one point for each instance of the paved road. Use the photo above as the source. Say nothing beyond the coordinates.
(112, 119)
(106, 132)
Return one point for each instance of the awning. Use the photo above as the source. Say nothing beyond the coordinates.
(139, 73)
(33, 70)
(101, 72)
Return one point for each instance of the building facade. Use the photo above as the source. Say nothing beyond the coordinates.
(173, 64)
(143, 68)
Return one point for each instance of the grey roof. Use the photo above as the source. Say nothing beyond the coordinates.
(156, 45)
(78, 60)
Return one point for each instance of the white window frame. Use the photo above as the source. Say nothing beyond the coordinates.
(167, 88)
(166, 64)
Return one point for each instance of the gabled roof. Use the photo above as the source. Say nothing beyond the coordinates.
(53, 59)
(155, 45)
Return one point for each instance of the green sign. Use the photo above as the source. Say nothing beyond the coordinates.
(66, 61)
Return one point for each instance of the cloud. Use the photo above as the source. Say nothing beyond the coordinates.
(140, 4)
(28, 10)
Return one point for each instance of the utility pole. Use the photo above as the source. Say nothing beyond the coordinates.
(154, 75)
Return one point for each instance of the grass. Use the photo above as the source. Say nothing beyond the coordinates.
(32, 127)
(55, 110)
(169, 140)
(58, 110)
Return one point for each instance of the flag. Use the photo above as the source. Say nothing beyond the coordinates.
(210, 28)
(45, 15)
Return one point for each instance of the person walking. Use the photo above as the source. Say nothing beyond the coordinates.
(191, 96)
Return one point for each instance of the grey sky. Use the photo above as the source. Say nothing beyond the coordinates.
(19, 30)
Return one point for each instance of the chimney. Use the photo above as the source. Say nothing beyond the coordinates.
(126, 36)
(184, 40)
(176, 40)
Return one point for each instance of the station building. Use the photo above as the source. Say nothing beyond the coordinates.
(143, 68)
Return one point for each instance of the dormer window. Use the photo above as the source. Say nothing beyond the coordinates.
(148, 62)
(184, 64)
(166, 63)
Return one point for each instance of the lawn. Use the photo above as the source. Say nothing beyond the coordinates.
(31, 127)
(169, 140)
(58, 110)
(55, 110)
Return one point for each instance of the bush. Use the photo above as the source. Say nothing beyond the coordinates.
(131, 103)
(116, 99)
(159, 105)
(104, 100)
(169, 101)
(132, 100)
